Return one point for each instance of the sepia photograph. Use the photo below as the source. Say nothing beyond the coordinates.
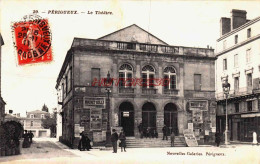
(129, 81)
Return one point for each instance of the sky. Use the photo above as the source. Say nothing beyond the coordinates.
(178, 23)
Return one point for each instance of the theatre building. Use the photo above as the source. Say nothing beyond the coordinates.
(238, 62)
(170, 85)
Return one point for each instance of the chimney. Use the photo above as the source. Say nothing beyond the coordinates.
(238, 18)
(225, 26)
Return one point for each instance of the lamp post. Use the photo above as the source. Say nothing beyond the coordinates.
(226, 89)
(108, 132)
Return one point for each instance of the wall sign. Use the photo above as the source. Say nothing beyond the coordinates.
(97, 102)
(95, 119)
(196, 104)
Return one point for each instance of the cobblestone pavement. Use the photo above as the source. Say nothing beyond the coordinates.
(52, 151)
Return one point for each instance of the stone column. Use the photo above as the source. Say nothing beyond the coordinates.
(138, 76)
(160, 87)
(138, 120)
(160, 121)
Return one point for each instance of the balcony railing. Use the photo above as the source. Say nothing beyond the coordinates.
(170, 91)
(149, 91)
(236, 93)
(126, 90)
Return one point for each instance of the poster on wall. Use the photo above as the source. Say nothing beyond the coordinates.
(197, 116)
(95, 119)
(76, 130)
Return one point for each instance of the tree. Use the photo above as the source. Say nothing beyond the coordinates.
(49, 122)
(45, 108)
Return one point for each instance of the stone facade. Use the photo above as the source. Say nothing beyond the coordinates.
(238, 61)
(126, 54)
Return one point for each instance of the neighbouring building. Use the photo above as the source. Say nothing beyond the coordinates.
(187, 101)
(2, 102)
(238, 61)
(33, 122)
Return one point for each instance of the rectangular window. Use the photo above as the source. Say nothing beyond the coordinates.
(224, 44)
(249, 80)
(249, 106)
(166, 82)
(236, 39)
(197, 82)
(144, 80)
(235, 60)
(129, 80)
(237, 107)
(121, 79)
(95, 75)
(31, 123)
(224, 64)
(236, 83)
(173, 82)
(249, 33)
(31, 115)
(151, 81)
(69, 80)
(248, 55)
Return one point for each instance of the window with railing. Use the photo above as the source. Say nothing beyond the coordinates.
(249, 80)
(170, 78)
(236, 84)
(249, 106)
(148, 73)
(125, 75)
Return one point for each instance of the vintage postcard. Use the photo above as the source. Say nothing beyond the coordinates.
(120, 81)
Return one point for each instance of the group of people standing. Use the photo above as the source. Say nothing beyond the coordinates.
(147, 132)
(114, 139)
(27, 141)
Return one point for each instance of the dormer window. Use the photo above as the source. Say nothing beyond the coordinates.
(31, 115)
(42, 116)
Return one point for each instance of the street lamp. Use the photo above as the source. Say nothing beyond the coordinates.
(226, 89)
(108, 132)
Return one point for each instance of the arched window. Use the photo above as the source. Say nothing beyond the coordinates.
(170, 78)
(125, 75)
(148, 76)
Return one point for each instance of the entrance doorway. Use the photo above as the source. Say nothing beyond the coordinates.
(149, 116)
(126, 111)
(171, 118)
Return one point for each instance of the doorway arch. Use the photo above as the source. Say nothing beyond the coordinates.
(149, 115)
(171, 118)
(126, 111)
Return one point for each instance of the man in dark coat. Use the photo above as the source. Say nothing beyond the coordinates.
(114, 138)
(165, 131)
(30, 134)
(217, 139)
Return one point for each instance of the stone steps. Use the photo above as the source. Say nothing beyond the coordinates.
(132, 142)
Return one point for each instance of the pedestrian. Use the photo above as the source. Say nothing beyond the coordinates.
(217, 138)
(254, 139)
(140, 128)
(88, 146)
(82, 142)
(172, 139)
(122, 139)
(26, 142)
(114, 138)
(165, 131)
(31, 135)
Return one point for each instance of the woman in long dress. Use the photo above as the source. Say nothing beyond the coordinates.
(122, 139)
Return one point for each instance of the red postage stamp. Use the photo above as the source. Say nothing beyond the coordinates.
(32, 39)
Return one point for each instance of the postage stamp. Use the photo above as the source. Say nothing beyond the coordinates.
(32, 39)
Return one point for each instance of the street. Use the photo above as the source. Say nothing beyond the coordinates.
(51, 151)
